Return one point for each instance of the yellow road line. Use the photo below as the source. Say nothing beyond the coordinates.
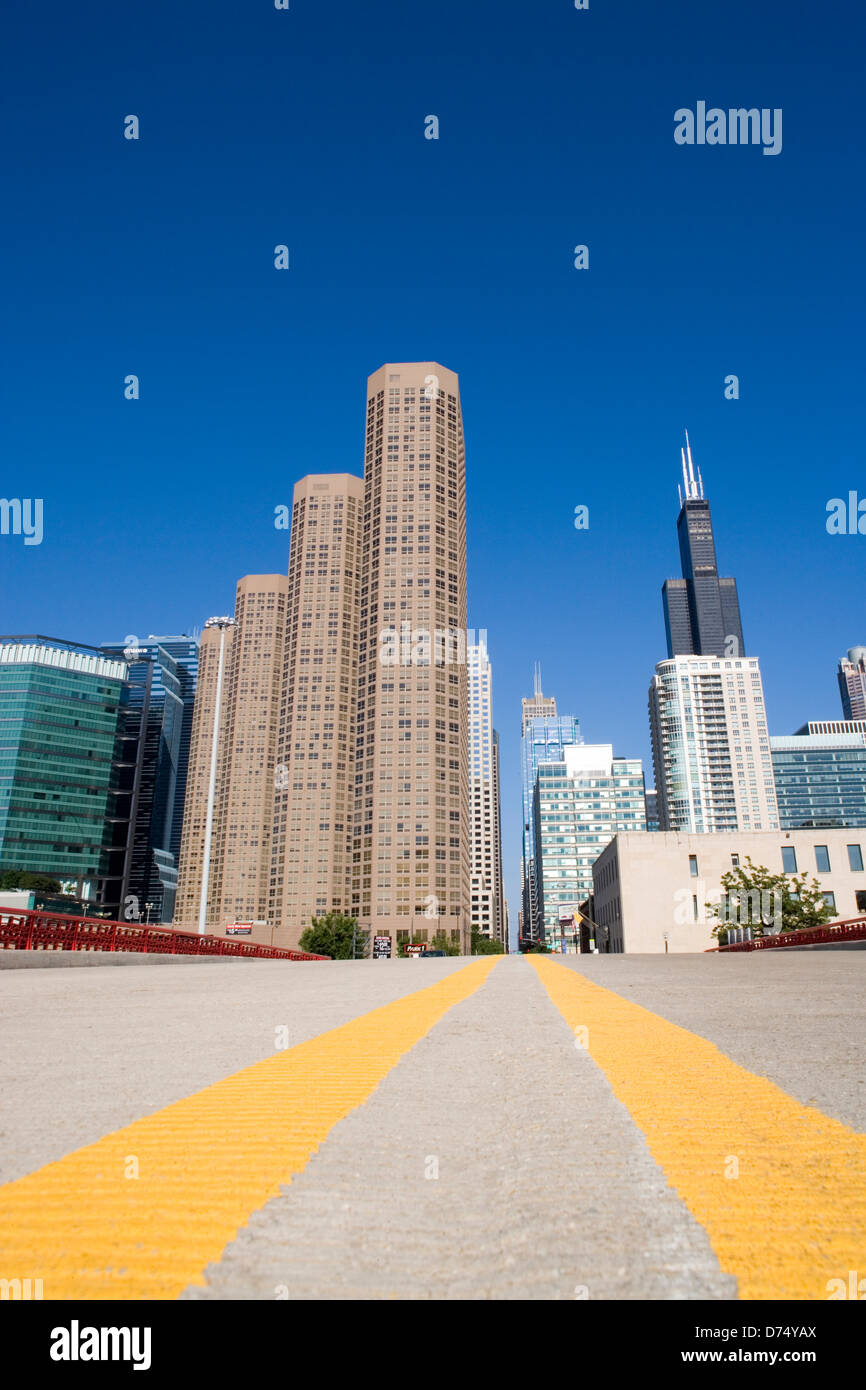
(795, 1217)
(205, 1163)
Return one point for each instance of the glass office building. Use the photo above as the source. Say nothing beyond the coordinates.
(158, 726)
(62, 805)
(580, 803)
(544, 740)
(820, 780)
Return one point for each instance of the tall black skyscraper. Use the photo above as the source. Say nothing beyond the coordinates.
(158, 724)
(702, 611)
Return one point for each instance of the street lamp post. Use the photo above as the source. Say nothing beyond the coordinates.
(222, 623)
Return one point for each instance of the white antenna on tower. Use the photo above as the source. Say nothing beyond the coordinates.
(694, 486)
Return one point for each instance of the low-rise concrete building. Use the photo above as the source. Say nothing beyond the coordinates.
(650, 889)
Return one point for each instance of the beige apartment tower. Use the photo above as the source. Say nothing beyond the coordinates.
(411, 844)
(218, 634)
(314, 784)
(486, 910)
(242, 822)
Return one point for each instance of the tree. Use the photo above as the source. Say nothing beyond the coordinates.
(485, 945)
(442, 942)
(336, 935)
(12, 879)
(763, 897)
(534, 948)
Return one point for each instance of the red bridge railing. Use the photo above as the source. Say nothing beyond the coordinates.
(854, 929)
(53, 931)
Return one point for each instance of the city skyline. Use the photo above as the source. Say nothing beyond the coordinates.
(510, 793)
(468, 404)
(577, 384)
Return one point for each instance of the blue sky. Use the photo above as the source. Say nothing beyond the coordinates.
(306, 127)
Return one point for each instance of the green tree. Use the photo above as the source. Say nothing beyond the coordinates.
(12, 879)
(535, 948)
(336, 935)
(485, 945)
(762, 895)
(442, 942)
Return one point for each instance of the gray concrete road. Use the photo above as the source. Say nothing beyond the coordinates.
(493, 1161)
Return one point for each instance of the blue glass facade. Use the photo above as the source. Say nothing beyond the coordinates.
(162, 681)
(820, 780)
(578, 810)
(63, 810)
(543, 741)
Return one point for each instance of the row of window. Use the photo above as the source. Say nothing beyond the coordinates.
(789, 860)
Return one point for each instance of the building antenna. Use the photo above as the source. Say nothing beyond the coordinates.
(694, 486)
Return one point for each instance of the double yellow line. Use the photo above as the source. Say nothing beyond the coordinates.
(91, 1230)
(779, 1187)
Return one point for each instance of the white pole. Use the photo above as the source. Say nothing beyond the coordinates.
(208, 830)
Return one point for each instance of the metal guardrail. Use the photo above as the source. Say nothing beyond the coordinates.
(853, 929)
(52, 931)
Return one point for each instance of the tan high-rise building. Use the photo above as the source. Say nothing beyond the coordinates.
(411, 831)
(315, 776)
(243, 808)
(218, 633)
(486, 908)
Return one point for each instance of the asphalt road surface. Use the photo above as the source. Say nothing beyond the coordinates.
(627, 1127)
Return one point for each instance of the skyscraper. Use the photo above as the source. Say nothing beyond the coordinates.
(64, 788)
(204, 770)
(502, 905)
(537, 705)
(486, 909)
(580, 803)
(852, 683)
(162, 680)
(702, 611)
(238, 880)
(544, 738)
(711, 747)
(411, 845)
(820, 779)
(315, 776)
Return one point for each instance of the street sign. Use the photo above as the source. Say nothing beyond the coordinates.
(239, 930)
(381, 947)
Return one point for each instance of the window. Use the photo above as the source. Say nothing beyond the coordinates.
(735, 860)
(822, 859)
(830, 900)
(860, 896)
(693, 865)
(789, 859)
(855, 859)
